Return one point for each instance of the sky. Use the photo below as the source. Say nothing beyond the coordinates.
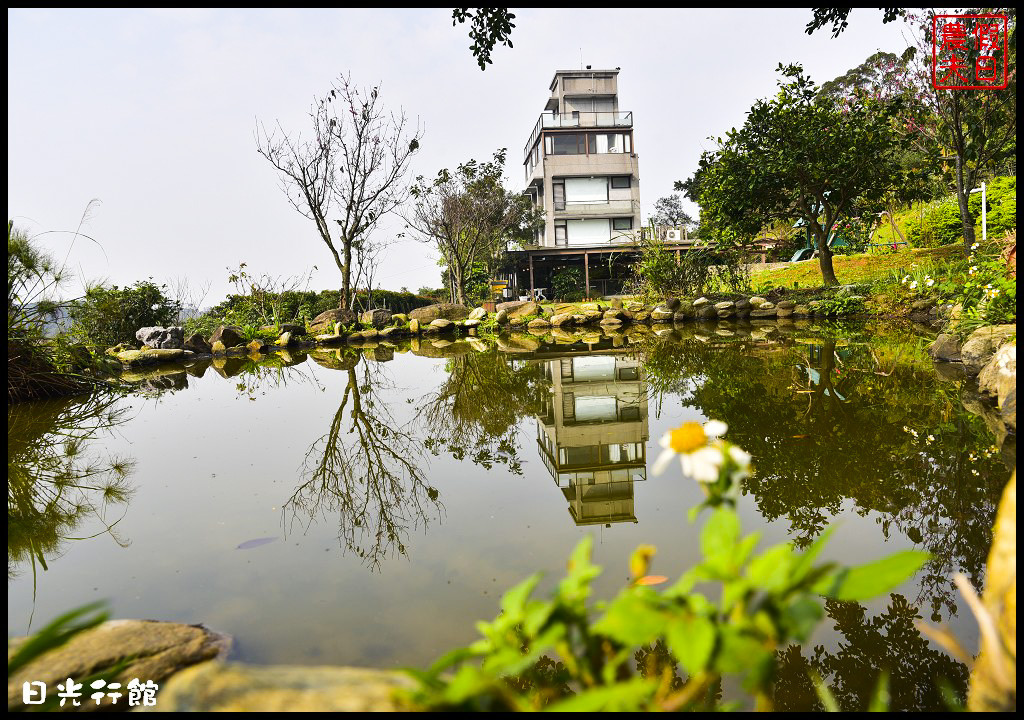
(152, 113)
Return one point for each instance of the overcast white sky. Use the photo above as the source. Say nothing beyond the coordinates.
(153, 112)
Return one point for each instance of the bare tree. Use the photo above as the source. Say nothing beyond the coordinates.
(350, 170)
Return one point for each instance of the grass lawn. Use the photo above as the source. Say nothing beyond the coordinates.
(855, 269)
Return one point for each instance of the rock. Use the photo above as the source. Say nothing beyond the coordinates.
(169, 338)
(501, 317)
(393, 332)
(285, 340)
(999, 376)
(325, 321)
(663, 313)
(380, 353)
(538, 323)
(329, 339)
(478, 314)
(368, 334)
(562, 319)
(1008, 409)
(516, 322)
(439, 325)
(700, 302)
(756, 302)
(706, 311)
(801, 311)
(672, 303)
(743, 305)
(440, 311)
(471, 323)
(149, 356)
(229, 335)
(197, 344)
(615, 314)
(256, 346)
(782, 312)
(400, 319)
(591, 316)
(335, 359)
(611, 321)
(763, 312)
(786, 305)
(153, 651)
(724, 314)
(234, 687)
(616, 303)
(377, 318)
(921, 305)
(518, 308)
(982, 345)
(641, 316)
(414, 326)
(725, 305)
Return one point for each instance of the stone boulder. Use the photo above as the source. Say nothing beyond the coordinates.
(167, 338)
(538, 324)
(151, 650)
(999, 377)
(700, 302)
(197, 344)
(663, 313)
(324, 322)
(982, 345)
(236, 687)
(672, 303)
(149, 356)
(786, 304)
(706, 311)
(478, 314)
(228, 335)
(562, 319)
(377, 318)
(439, 325)
(441, 311)
(414, 326)
(946, 348)
(296, 329)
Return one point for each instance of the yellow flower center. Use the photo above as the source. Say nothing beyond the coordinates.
(687, 437)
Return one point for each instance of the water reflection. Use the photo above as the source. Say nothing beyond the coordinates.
(592, 434)
(367, 470)
(831, 420)
(58, 480)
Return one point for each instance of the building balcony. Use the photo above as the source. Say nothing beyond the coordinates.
(609, 208)
(554, 121)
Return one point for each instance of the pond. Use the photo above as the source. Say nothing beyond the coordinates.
(366, 506)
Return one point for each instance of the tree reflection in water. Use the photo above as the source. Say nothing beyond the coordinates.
(366, 470)
(831, 419)
(476, 411)
(56, 481)
(889, 642)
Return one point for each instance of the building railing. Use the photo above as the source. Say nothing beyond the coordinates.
(582, 119)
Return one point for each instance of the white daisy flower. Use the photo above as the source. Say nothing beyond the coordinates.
(913, 285)
(690, 441)
(930, 282)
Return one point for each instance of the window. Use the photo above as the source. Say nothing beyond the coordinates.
(586, 190)
(567, 144)
(558, 195)
(601, 143)
(625, 223)
(622, 181)
(560, 236)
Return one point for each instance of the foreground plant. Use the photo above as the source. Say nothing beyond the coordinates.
(563, 654)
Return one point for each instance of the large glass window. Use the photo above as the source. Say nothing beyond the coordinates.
(601, 143)
(625, 223)
(620, 181)
(568, 144)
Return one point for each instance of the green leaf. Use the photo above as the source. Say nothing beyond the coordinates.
(56, 633)
(631, 619)
(626, 696)
(718, 539)
(867, 581)
(692, 641)
(770, 571)
(514, 600)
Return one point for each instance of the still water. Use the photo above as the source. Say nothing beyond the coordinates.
(365, 507)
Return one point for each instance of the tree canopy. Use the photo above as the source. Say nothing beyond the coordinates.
(799, 155)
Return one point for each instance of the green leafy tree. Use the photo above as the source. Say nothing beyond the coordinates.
(669, 211)
(838, 18)
(109, 315)
(798, 155)
(470, 216)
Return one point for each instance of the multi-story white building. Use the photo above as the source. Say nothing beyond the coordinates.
(581, 168)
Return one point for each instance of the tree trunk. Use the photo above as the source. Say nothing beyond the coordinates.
(828, 274)
(346, 275)
(962, 193)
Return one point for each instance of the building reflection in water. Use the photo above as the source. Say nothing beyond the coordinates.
(593, 434)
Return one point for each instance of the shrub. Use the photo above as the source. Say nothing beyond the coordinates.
(110, 315)
(567, 284)
(1001, 199)
(937, 224)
